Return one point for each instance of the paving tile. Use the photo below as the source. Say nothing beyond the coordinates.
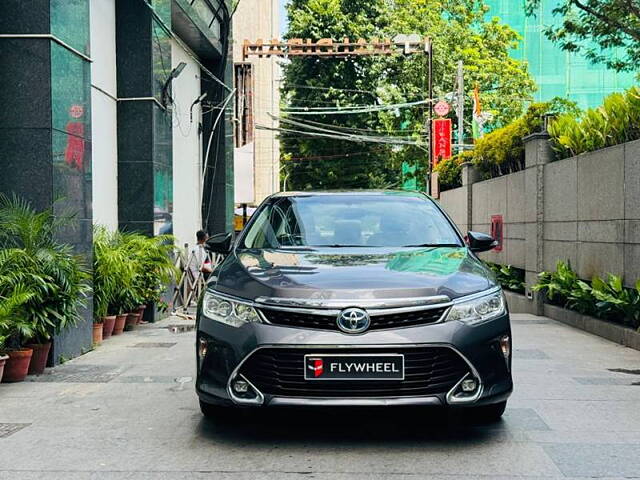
(598, 460)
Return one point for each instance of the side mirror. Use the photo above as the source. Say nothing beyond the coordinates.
(481, 242)
(220, 243)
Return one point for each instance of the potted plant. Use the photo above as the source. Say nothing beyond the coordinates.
(15, 361)
(112, 278)
(152, 258)
(54, 274)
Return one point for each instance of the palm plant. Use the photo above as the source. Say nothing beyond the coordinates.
(50, 271)
(153, 261)
(113, 272)
(17, 288)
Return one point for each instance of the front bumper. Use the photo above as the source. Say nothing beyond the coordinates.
(228, 348)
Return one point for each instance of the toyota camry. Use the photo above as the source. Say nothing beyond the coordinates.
(368, 298)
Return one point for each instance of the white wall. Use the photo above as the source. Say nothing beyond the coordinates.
(260, 19)
(187, 152)
(104, 113)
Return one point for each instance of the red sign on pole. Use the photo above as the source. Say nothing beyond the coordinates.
(497, 230)
(441, 139)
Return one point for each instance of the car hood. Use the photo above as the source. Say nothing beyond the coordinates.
(352, 273)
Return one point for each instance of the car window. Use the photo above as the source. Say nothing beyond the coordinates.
(350, 220)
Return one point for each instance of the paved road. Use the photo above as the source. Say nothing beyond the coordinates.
(128, 411)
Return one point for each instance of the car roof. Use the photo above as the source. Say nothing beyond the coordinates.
(394, 193)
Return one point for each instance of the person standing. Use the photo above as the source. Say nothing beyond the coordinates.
(200, 260)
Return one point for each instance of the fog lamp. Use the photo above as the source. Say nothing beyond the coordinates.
(505, 346)
(469, 385)
(202, 348)
(240, 386)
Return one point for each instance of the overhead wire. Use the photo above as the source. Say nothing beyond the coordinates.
(350, 138)
(352, 109)
(346, 134)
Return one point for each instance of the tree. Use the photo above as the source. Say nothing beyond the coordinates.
(595, 27)
(459, 31)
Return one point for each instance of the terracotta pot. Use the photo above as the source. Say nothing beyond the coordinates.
(97, 333)
(39, 357)
(132, 320)
(107, 326)
(140, 312)
(119, 325)
(3, 360)
(17, 366)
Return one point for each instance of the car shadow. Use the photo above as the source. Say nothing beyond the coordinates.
(349, 426)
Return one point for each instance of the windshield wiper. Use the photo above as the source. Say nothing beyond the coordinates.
(435, 245)
(339, 245)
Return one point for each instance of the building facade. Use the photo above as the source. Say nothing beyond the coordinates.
(558, 73)
(257, 82)
(112, 110)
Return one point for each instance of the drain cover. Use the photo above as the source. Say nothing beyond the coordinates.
(7, 429)
(154, 345)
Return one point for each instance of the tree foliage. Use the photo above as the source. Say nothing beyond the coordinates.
(459, 31)
(595, 27)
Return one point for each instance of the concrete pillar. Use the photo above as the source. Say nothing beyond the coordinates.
(45, 126)
(145, 173)
(538, 153)
(470, 175)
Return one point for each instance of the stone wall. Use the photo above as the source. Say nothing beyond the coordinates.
(584, 209)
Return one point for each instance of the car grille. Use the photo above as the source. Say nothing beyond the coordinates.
(378, 322)
(428, 371)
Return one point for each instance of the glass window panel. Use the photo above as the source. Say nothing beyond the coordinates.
(70, 94)
(70, 22)
(161, 51)
(203, 11)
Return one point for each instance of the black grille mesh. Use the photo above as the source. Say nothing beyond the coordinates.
(428, 371)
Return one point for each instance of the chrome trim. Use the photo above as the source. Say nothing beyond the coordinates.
(241, 401)
(481, 294)
(355, 401)
(342, 303)
(259, 400)
(230, 298)
(451, 399)
(47, 36)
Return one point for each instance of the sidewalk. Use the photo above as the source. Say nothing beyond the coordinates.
(128, 410)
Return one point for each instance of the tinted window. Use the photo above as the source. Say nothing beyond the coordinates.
(350, 220)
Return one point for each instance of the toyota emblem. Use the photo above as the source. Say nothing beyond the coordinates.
(353, 320)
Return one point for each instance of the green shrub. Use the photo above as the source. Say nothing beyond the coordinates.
(607, 299)
(616, 121)
(509, 277)
(502, 151)
(450, 172)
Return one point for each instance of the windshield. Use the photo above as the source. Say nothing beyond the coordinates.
(350, 221)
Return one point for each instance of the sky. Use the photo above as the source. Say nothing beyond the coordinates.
(283, 17)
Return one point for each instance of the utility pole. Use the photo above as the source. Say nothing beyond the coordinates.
(460, 106)
(428, 48)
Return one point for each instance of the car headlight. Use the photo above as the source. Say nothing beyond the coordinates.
(478, 310)
(223, 310)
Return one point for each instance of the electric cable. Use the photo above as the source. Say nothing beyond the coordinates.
(185, 47)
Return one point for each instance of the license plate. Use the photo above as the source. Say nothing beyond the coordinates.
(354, 367)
